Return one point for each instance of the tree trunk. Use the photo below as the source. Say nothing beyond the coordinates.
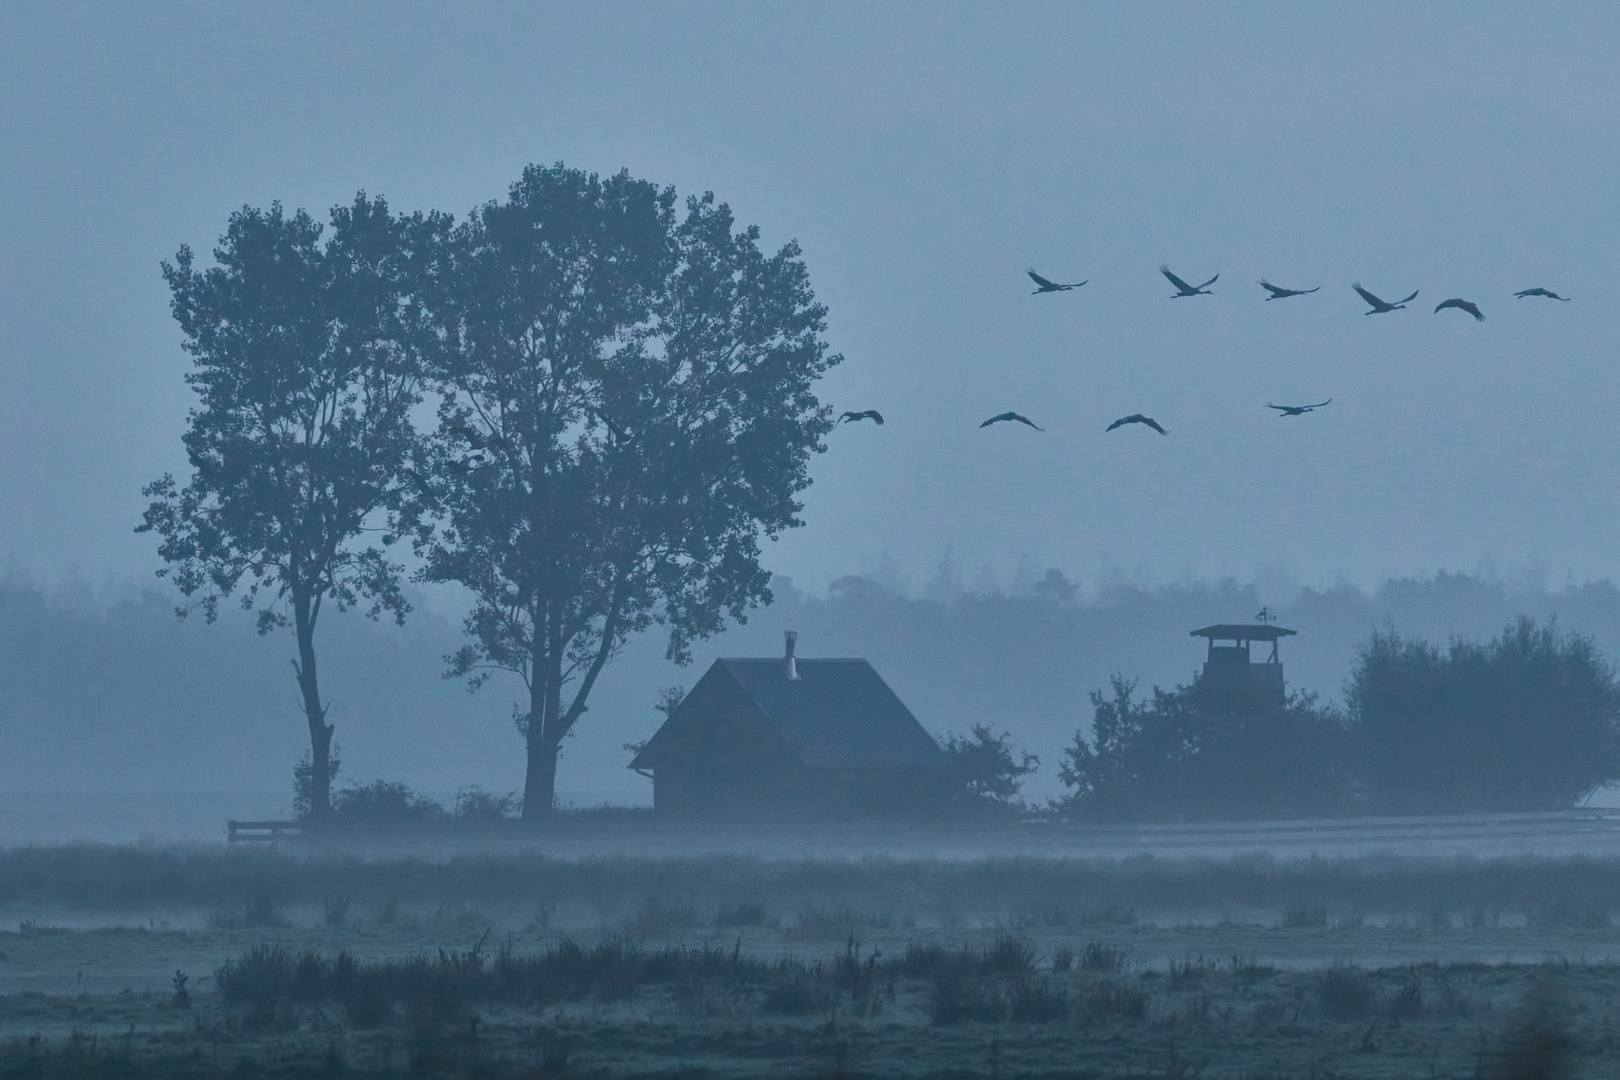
(544, 737)
(540, 779)
(320, 732)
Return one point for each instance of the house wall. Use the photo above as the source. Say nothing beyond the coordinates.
(758, 792)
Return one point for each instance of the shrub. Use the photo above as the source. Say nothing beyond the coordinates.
(384, 803)
(477, 806)
(986, 769)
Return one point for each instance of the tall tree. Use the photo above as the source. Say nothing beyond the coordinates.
(1527, 721)
(627, 409)
(300, 439)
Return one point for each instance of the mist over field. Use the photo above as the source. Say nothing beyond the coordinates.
(114, 694)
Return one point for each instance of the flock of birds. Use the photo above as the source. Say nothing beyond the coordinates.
(1376, 306)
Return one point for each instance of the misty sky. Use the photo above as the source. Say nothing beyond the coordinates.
(924, 156)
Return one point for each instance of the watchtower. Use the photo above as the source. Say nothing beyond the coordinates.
(1230, 665)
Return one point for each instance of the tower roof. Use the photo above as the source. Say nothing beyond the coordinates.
(1243, 632)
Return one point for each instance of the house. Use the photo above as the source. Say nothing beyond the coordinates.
(783, 736)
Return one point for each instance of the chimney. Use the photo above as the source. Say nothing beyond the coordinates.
(791, 638)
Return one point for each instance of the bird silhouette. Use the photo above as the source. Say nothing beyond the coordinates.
(1379, 307)
(1296, 410)
(1042, 285)
(1186, 289)
(1541, 292)
(1000, 417)
(1461, 305)
(1138, 418)
(1279, 293)
(865, 414)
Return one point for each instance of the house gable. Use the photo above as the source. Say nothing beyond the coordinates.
(716, 725)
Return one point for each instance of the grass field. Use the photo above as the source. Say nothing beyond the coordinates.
(521, 965)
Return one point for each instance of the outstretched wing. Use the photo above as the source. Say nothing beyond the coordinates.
(1408, 299)
(1027, 420)
(1210, 282)
(998, 418)
(875, 415)
(1319, 404)
(1275, 290)
(1117, 423)
(1280, 408)
(1530, 292)
(1164, 269)
(1042, 282)
(1154, 424)
(1369, 297)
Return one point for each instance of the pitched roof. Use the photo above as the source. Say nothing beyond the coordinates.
(838, 714)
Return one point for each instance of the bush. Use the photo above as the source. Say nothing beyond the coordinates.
(1206, 752)
(384, 803)
(986, 770)
(475, 805)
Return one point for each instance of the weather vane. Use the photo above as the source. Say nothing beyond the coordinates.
(1265, 616)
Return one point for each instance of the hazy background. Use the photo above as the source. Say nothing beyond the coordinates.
(923, 155)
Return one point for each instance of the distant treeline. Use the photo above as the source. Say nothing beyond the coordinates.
(117, 695)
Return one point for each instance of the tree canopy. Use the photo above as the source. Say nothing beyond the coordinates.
(1527, 721)
(305, 377)
(627, 409)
